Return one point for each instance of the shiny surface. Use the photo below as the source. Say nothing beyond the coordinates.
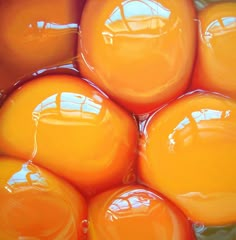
(134, 212)
(37, 205)
(216, 63)
(69, 127)
(188, 153)
(36, 34)
(140, 52)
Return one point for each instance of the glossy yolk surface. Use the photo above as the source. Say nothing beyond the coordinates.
(139, 52)
(188, 154)
(134, 212)
(36, 34)
(69, 127)
(37, 205)
(216, 63)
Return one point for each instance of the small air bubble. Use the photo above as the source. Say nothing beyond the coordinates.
(84, 226)
(199, 228)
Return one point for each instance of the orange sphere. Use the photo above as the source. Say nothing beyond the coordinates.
(139, 52)
(36, 34)
(134, 212)
(69, 127)
(216, 62)
(37, 205)
(188, 154)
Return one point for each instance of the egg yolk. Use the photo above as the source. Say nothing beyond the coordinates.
(188, 154)
(71, 128)
(36, 34)
(134, 212)
(141, 53)
(38, 205)
(216, 62)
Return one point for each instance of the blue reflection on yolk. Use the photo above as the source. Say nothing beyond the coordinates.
(138, 200)
(42, 29)
(196, 117)
(134, 17)
(45, 25)
(132, 9)
(28, 177)
(66, 105)
(220, 27)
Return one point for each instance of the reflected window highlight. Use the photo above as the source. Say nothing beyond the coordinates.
(136, 17)
(137, 200)
(67, 105)
(197, 117)
(42, 29)
(46, 25)
(220, 27)
(208, 114)
(28, 177)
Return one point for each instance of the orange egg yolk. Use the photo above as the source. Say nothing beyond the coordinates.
(216, 62)
(134, 212)
(139, 52)
(71, 128)
(38, 205)
(188, 154)
(36, 34)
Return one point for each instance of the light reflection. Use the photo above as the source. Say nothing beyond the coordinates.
(193, 195)
(28, 177)
(41, 29)
(29, 195)
(134, 202)
(63, 66)
(45, 25)
(220, 27)
(196, 121)
(137, 18)
(67, 106)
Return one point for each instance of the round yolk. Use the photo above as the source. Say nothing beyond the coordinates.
(216, 62)
(37, 205)
(36, 34)
(139, 52)
(69, 127)
(134, 212)
(188, 154)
